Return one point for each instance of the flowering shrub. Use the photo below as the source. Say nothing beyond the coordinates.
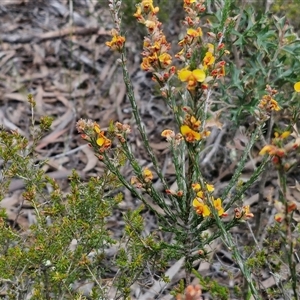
(205, 84)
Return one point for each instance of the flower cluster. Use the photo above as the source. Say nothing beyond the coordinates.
(192, 292)
(191, 77)
(267, 104)
(155, 47)
(118, 41)
(191, 129)
(243, 213)
(210, 65)
(102, 141)
(283, 210)
(204, 200)
(170, 136)
(279, 151)
(91, 132)
(121, 131)
(193, 37)
(144, 181)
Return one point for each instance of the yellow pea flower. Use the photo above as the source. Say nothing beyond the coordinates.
(116, 43)
(194, 32)
(201, 208)
(208, 59)
(218, 206)
(102, 140)
(297, 87)
(165, 59)
(147, 174)
(189, 134)
(192, 77)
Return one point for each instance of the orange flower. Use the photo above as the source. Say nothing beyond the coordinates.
(188, 2)
(243, 213)
(146, 65)
(194, 122)
(180, 54)
(268, 103)
(189, 134)
(117, 41)
(196, 187)
(272, 151)
(285, 134)
(246, 212)
(279, 217)
(208, 59)
(210, 187)
(135, 181)
(210, 47)
(165, 59)
(192, 77)
(147, 5)
(218, 72)
(201, 208)
(147, 174)
(150, 25)
(274, 105)
(101, 140)
(291, 206)
(218, 206)
(194, 32)
(268, 149)
(138, 14)
(168, 134)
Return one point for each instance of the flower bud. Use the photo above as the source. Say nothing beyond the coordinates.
(211, 34)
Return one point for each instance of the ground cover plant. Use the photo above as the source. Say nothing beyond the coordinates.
(230, 68)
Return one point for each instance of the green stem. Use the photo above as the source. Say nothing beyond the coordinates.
(128, 186)
(227, 239)
(288, 240)
(137, 117)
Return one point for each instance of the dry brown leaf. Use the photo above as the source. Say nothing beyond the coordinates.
(62, 99)
(7, 56)
(158, 286)
(9, 125)
(160, 146)
(73, 31)
(44, 72)
(39, 55)
(62, 121)
(214, 121)
(17, 184)
(91, 157)
(79, 80)
(38, 98)
(50, 138)
(15, 96)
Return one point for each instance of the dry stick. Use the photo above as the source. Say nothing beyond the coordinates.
(287, 238)
(216, 145)
(24, 39)
(18, 184)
